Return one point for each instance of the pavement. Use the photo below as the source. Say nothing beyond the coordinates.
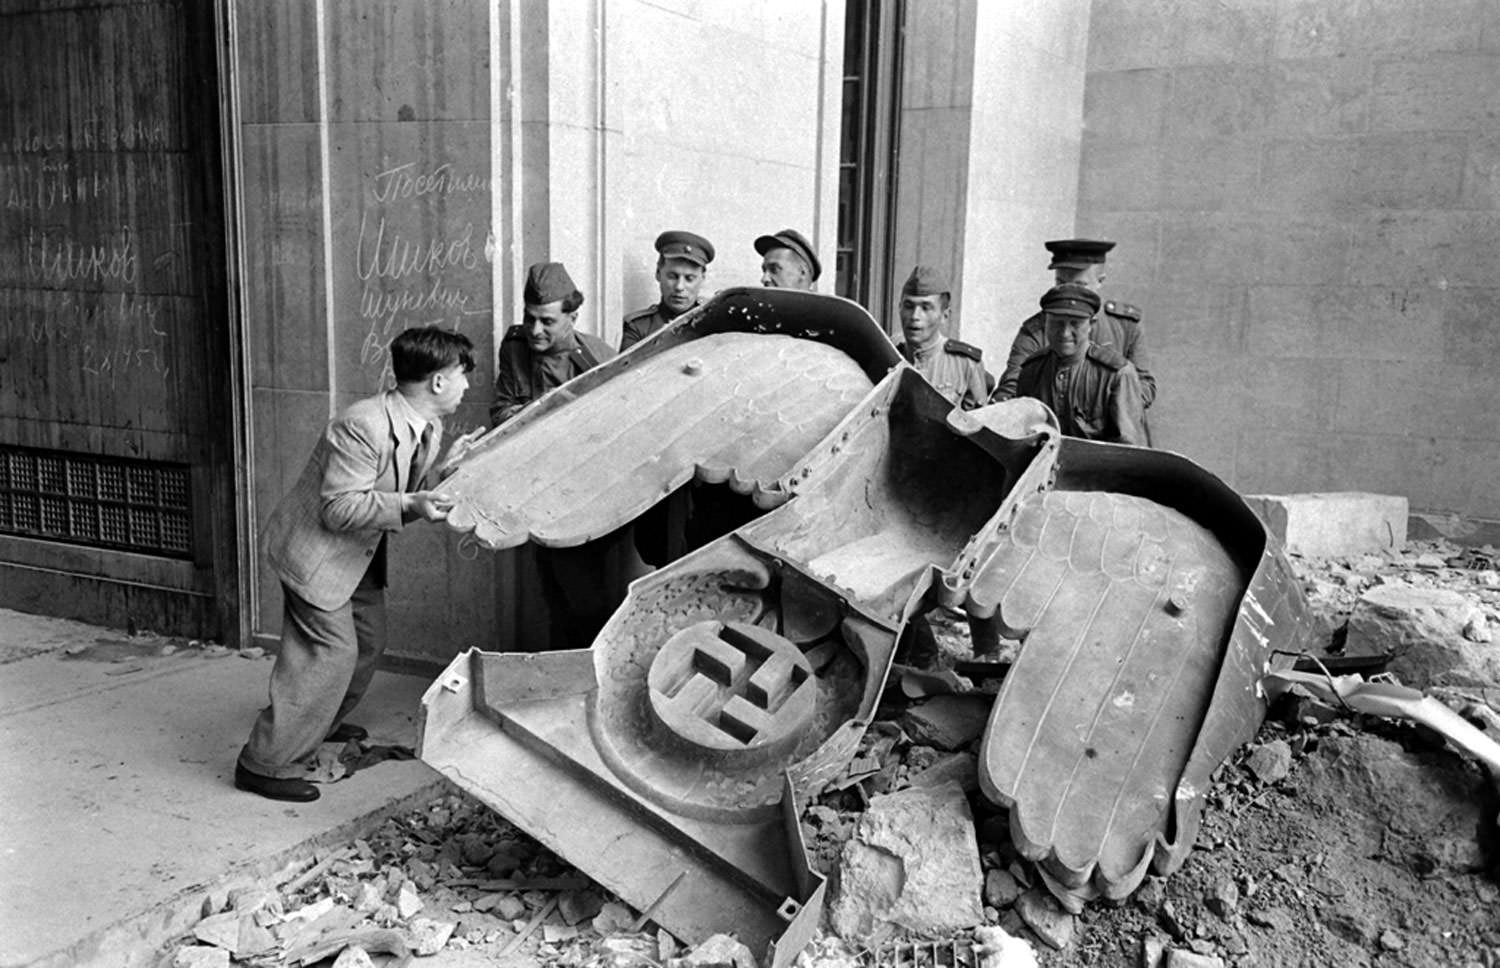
(118, 812)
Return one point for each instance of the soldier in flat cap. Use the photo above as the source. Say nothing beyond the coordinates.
(1094, 390)
(954, 367)
(1118, 325)
(681, 264)
(788, 261)
(584, 584)
(545, 350)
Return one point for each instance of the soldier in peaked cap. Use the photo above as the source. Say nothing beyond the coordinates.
(545, 350)
(1094, 390)
(681, 264)
(1117, 324)
(955, 368)
(788, 261)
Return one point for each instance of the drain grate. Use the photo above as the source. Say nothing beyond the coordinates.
(106, 502)
(951, 953)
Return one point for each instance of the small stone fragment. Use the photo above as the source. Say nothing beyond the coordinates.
(1271, 762)
(1042, 914)
(368, 900)
(947, 722)
(429, 936)
(407, 901)
(200, 956)
(1223, 897)
(510, 907)
(1167, 917)
(255, 652)
(354, 957)
(1150, 895)
(630, 951)
(1391, 941)
(997, 948)
(553, 933)
(1000, 889)
(721, 951)
(1178, 958)
(666, 945)
(219, 930)
(1477, 629)
(487, 902)
(1153, 951)
(576, 906)
(613, 918)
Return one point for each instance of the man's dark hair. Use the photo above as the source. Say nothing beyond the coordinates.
(571, 303)
(420, 352)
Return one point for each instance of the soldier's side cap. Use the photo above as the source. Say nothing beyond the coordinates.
(925, 281)
(794, 240)
(1077, 253)
(1070, 300)
(676, 244)
(548, 282)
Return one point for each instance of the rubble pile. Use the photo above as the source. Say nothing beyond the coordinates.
(1333, 839)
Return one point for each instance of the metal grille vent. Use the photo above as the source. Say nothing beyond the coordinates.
(107, 502)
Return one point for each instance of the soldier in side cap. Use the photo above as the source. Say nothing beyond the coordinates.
(954, 367)
(681, 265)
(545, 350)
(1094, 390)
(580, 585)
(1117, 325)
(788, 261)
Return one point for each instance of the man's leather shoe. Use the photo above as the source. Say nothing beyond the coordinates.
(274, 788)
(346, 732)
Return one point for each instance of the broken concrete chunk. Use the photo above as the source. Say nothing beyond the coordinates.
(429, 936)
(1178, 958)
(1322, 525)
(947, 722)
(219, 930)
(721, 951)
(1222, 897)
(960, 768)
(354, 957)
(554, 933)
(1000, 889)
(912, 864)
(997, 948)
(1271, 762)
(510, 908)
(631, 951)
(1042, 914)
(407, 901)
(1153, 951)
(613, 918)
(200, 956)
(576, 906)
(1423, 629)
(368, 899)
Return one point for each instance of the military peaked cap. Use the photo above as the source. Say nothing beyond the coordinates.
(677, 244)
(1077, 253)
(1071, 300)
(794, 240)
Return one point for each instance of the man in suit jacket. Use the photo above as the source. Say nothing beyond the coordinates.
(326, 540)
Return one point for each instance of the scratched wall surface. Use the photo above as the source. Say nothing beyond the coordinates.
(111, 289)
(367, 181)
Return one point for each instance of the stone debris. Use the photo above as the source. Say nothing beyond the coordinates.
(1178, 958)
(1270, 762)
(354, 956)
(1333, 523)
(1423, 630)
(912, 865)
(428, 936)
(948, 722)
(998, 948)
(720, 951)
(200, 956)
(1042, 914)
(1001, 889)
(1223, 897)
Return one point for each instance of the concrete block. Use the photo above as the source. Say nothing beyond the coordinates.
(1321, 28)
(1321, 322)
(1481, 187)
(1441, 92)
(1277, 462)
(1320, 97)
(1436, 248)
(1434, 399)
(912, 865)
(1120, 177)
(1437, 637)
(1468, 325)
(947, 722)
(1219, 102)
(1126, 106)
(1333, 523)
(1209, 175)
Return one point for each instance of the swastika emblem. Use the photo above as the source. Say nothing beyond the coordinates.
(732, 687)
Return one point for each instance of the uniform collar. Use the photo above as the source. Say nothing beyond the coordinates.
(402, 410)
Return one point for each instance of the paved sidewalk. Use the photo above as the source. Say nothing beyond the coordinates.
(117, 804)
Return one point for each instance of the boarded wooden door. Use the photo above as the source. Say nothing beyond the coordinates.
(116, 449)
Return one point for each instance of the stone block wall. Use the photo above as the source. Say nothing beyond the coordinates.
(1306, 194)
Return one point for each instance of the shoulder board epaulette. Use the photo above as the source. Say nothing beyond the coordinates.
(963, 349)
(513, 333)
(1107, 355)
(641, 313)
(1123, 309)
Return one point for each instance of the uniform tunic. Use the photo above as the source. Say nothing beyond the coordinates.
(642, 323)
(522, 376)
(1117, 325)
(1097, 398)
(956, 370)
